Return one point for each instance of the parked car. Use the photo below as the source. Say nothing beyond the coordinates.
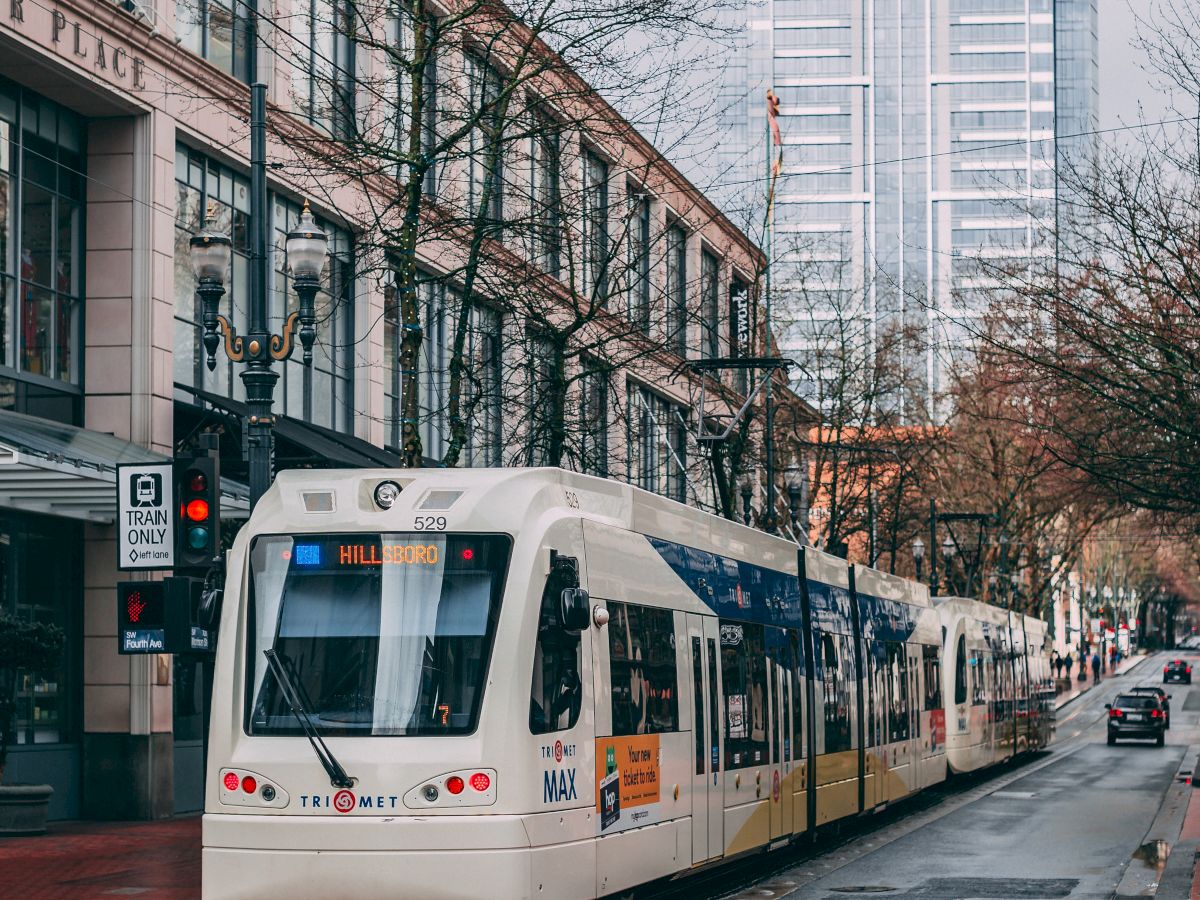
(1136, 716)
(1177, 670)
(1163, 697)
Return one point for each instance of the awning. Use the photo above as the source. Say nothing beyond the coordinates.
(298, 444)
(61, 470)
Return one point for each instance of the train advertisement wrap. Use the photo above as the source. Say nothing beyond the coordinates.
(627, 781)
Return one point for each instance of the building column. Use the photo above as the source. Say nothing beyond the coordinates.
(127, 741)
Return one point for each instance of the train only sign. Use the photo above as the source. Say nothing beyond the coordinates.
(145, 516)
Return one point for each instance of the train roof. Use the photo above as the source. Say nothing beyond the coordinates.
(888, 586)
(499, 499)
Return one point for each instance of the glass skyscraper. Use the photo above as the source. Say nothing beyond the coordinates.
(921, 145)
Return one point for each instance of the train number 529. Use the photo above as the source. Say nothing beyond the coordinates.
(429, 523)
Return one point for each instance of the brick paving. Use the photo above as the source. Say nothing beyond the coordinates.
(104, 859)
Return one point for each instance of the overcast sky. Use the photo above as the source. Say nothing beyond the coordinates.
(1127, 91)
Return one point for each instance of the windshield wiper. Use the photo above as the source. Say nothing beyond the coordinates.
(337, 775)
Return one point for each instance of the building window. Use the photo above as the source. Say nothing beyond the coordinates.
(481, 386)
(593, 415)
(217, 31)
(483, 357)
(323, 67)
(656, 444)
(41, 238)
(637, 258)
(676, 287)
(545, 158)
(200, 185)
(710, 307)
(322, 394)
(595, 227)
(641, 659)
(485, 86)
(541, 365)
(397, 94)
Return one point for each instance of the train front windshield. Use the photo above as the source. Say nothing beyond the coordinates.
(381, 634)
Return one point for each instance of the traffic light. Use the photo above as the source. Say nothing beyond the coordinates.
(198, 522)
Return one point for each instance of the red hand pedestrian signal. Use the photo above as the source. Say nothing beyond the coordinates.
(134, 606)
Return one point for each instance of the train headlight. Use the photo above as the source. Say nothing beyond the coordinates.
(430, 793)
(386, 494)
(268, 793)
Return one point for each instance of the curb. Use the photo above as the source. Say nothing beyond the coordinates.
(1162, 865)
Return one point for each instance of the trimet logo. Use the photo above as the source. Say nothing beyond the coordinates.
(343, 801)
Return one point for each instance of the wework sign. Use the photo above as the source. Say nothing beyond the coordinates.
(81, 40)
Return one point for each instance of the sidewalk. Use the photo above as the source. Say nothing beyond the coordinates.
(99, 859)
(1082, 687)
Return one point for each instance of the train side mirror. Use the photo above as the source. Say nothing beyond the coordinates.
(574, 610)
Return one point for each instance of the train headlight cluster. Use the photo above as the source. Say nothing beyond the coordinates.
(242, 788)
(466, 787)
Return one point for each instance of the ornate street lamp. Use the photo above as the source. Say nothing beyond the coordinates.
(918, 552)
(211, 251)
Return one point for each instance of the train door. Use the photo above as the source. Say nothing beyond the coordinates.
(799, 779)
(780, 679)
(708, 839)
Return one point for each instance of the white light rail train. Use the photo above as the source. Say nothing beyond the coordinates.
(532, 683)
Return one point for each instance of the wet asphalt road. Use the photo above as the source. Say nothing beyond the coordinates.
(1066, 825)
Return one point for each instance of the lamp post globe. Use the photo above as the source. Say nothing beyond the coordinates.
(307, 251)
(307, 247)
(210, 251)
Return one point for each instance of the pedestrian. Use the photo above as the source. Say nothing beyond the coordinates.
(1095, 668)
(1067, 662)
(1058, 665)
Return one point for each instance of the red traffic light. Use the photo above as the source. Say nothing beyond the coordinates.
(197, 510)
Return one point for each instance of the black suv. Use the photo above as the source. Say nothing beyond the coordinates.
(1163, 697)
(1136, 716)
(1177, 670)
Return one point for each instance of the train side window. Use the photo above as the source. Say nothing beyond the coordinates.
(960, 671)
(714, 697)
(744, 676)
(897, 677)
(698, 704)
(797, 709)
(557, 691)
(933, 678)
(641, 656)
(835, 677)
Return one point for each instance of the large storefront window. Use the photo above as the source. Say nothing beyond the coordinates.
(33, 591)
(41, 239)
(322, 394)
